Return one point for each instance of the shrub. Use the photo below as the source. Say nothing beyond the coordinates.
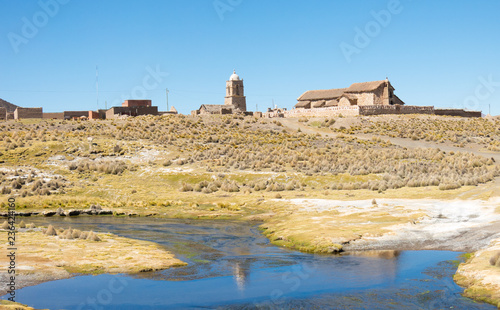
(186, 188)
(495, 259)
(51, 231)
(22, 224)
(93, 236)
(5, 190)
(84, 235)
(5, 225)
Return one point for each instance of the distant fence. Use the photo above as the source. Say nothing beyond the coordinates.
(368, 110)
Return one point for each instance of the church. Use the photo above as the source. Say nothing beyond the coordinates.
(358, 94)
(234, 102)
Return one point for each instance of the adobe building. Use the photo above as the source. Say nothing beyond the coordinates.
(132, 107)
(21, 113)
(8, 113)
(172, 111)
(368, 98)
(359, 94)
(136, 103)
(75, 114)
(214, 109)
(234, 101)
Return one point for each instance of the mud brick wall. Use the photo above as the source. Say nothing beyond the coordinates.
(458, 112)
(3, 113)
(21, 113)
(394, 109)
(75, 114)
(59, 115)
(319, 112)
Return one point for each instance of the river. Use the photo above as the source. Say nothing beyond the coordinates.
(232, 266)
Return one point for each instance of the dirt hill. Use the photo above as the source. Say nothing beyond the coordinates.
(9, 106)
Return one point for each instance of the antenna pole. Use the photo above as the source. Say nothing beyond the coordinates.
(167, 99)
(97, 86)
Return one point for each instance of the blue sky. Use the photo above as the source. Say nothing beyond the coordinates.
(442, 53)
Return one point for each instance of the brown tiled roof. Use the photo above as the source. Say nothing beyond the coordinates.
(322, 94)
(302, 103)
(332, 103)
(350, 96)
(318, 103)
(364, 87)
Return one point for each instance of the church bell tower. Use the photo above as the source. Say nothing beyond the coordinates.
(235, 94)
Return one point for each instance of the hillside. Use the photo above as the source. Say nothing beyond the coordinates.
(9, 106)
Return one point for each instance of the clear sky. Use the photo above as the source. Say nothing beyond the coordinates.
(442, 53)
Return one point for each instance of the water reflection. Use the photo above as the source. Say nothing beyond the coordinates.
(241, 270)
(232, 266)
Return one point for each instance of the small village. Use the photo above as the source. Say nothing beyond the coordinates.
(364, 99)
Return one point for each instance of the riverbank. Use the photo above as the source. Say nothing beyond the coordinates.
(326, 226)
(479, 277)
(46, 258)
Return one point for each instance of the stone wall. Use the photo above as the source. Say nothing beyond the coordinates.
(75, 114)
(21, 113)
(59, 115)
(318, 112)
(367, 99)
(3, 113)
(394, 109)
(378, 110)
(458, 112)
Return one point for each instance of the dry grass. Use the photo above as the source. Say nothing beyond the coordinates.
(479, 277)
(460, 131)
(160, 161)
(49, 254)
(328, 231)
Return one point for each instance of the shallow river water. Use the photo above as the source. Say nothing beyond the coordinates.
(231, 265)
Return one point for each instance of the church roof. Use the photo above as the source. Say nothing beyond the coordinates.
(336, 93)
(365, 86)
(302, 103)
(322, 94)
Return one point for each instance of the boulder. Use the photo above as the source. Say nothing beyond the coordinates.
(73, 213)
(49, 213)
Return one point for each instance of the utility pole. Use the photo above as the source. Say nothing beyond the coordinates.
(167, 99)
(97, 85)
